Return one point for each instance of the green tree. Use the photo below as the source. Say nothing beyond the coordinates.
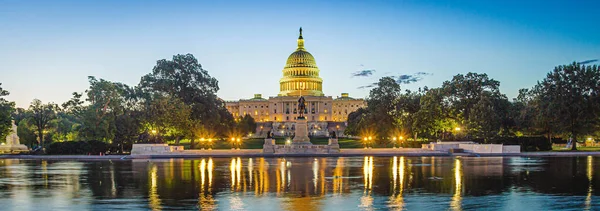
(570, 93)
(6, 110)
(464, 91)
(381, 117)
(41, 115)
(169, 116)
(27, 133)
(247, 124)
(107, 102)
(409, 105)
(184, 78)
(485, 121)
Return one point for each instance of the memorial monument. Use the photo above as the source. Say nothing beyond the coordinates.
(300, 144)
(301, 129)
(12, 143)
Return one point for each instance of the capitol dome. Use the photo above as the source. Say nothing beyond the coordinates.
(301, 74)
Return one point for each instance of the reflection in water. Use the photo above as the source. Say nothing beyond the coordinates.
(315, 169)
(338, 173)
(589, 173)
(457, 198)
(396, 197)
(395, 183)
(154, 199)
(366, 201)
(205, 197)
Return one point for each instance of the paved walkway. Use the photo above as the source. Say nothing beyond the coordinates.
(411, 152)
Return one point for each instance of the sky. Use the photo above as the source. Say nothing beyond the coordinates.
(49, 48)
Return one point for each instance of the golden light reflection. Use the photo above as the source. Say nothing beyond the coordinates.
(45, 172)
(338, 173)
(457, 198)
(250, 170)
(232, 171)
(281, 176)
(153, 196)
(238, 169)
(236, 173)
(366, 201)
(315, 169)
(263, 184)
(590, 174)
(397, 198)
(205, 199)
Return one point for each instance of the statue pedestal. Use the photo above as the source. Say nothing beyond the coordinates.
(301, 133)
(12, 142)
(334, 146)
(269, 146)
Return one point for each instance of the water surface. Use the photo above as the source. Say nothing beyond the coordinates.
(351, 183)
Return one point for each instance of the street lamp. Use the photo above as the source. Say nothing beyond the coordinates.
(210, 144)
(202, 143)
(238, 143)
(457, 129)
(365, 139)
(394, 142)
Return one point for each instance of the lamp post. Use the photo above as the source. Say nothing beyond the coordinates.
(153, 135)
(337, 130)
(239, 142)
(202, 143)
(370, 142)
(210, 144)
(394, 142)
(365, 139)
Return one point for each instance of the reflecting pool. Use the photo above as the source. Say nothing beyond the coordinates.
(346, 183)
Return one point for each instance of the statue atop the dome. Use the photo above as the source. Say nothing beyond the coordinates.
(301, 106)
(300, 32)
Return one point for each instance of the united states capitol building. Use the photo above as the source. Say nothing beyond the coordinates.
(300, 78)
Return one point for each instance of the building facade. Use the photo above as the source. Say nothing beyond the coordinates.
(300, 78)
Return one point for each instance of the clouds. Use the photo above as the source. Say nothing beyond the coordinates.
(367, 86)
(363, 73)
(402, 79)
(588, 61)
(408, 79)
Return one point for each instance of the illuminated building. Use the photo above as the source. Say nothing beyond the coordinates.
(300, 78)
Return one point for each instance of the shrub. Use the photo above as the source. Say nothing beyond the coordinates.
(413, 144)
(77, 148)
(528, 144)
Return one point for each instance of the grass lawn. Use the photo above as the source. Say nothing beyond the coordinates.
(562, 149)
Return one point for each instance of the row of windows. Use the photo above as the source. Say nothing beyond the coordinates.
(256, 106)
(347, 105)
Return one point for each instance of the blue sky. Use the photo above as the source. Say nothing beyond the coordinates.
(48, 48)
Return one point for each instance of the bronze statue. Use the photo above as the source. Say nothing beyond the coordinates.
(301, 106)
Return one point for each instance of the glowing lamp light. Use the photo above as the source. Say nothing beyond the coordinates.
(232, 139)
(457, 129)
(394, 138)
(210, 140)
(202, 139)
(401, 137)
(154, 131)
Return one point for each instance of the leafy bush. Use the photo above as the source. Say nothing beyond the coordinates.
(413, 144)
(528, 144)
(77, 148)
